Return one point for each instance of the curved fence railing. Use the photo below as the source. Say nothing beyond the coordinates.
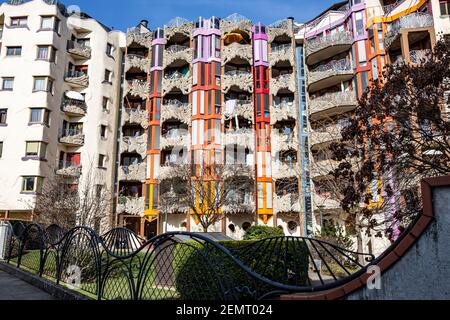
(180, 265)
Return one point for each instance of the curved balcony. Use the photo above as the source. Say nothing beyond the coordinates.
(176, 53)
(239, 203)
(175, 138)
(282, 111)
(138, 62)
(131, 205)
(235, 22)
(323, 48)
(288, 203)
(71, 137)
(135, 116)
(242, 108)
(321, 169)
(329, 74)
(245, 170)
(134, 172)
(236, 50)
(137, 88)
(332, 104)
(319, 137)
(177, 80)
(73, 107)
(139, 36)
(282, 170)
(410, 21)
(77, 79)
(68, 169)
(78, 50)
(174, 109)
(137, 144)
(172, 171)
(240, 79)
(241, 137)
(285, 81)
(325, 202)
(178, 25)
(283, 142)
(279, 28)
(283, 52)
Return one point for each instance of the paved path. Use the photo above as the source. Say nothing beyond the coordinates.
(12, 288)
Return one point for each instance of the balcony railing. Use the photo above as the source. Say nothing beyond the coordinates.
(238, 78)
(242, 108)
(176, 80)
(328, 70)
(73, 106)
(284, 81)
(335, 44)
(69, 168)
(132, 172)
(136, 144)
(283, 52)
(140, 36)
(287, 203)
(242, 137)
(410, 21)
(177, 52)
(77, 78)
(234, 50)
(328, 133)
(79, 49)
(175, 138)
(137, 88)
(284, 142)
(131, 205)
(137, 61)
(135, 116)
(175, 109)
(325, 104)
(283, 170)
(72, 137)
(283, 111)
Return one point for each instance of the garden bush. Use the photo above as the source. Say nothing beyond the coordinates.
(262, 232)
(203, 272)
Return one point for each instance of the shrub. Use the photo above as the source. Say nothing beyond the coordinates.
(262, 232)
(203, 272)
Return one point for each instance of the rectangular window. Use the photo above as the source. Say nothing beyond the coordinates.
(35, 149)
(380, 40)
(105, 104)
(47, 23)
(103, 131)
(3, 114)
(43, 84)
(364, 81)
(359, 23)
(374, 69)
(14, 51)
(362, 53)
(101, 160)
(108, 75)
(109, 49)
(19, 22)
(39, 115)
(7, 84)
(32, 184)
(444, 7)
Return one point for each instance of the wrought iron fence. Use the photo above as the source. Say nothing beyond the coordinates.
(180, 265)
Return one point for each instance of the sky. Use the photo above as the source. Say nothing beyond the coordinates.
(121, 14)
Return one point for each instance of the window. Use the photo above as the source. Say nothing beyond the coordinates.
(1, 149)
(109, 49)
(105, 104)
(374, 69)
(14, 51)
(7, 84)
(47, 53)
(39, 115)
(103, 131)
(101, 160)
(35, 149)
(362, 53)
(359, 23)
(445, 7)
(32, 184)
(19, 22)
(50, 23)
(364, 81)
(43, 84)
(3, 113)
(108, 75)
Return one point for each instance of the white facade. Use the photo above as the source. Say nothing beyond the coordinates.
(45, 25)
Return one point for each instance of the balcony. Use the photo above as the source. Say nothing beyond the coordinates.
(137, 88)
(240, 137)
(284, 81)
(325, 135)
(71, 137)
(282, 111)
(133, 172)
(175, 109)
(419, 56)
(320, 169)
(329, 74)
(177, 52)
(323, 48)
(284, 142)
(332, 104)
(287, 203)
(77, 79)
(170, 171)
(236, 22)
(241, 108)
(278, 29)
(240, 79)
(137, 62)
(131, 205)
(239, 203)
(178, 25)
(245, 170)
(283, 170)
(325, 202)
(176, 80)
(139, 36)
(283, 52)
(69, 169)
(237, 50)
(72, 106)
(136, 144)
(175, 138)
(135, 116)
(411, 21)
(78, 50)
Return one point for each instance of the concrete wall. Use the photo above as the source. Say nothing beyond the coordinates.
(422, 273)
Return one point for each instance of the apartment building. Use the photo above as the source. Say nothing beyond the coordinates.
(60, 78)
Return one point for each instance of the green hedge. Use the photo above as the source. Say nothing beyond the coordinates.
(200, 278)
(262, 232)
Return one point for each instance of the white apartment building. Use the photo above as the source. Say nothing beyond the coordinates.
(60, 76)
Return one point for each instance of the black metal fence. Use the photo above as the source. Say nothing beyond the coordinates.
(180, 265)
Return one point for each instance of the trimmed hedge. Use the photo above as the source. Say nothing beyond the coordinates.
(203, 272)
(262, 232)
